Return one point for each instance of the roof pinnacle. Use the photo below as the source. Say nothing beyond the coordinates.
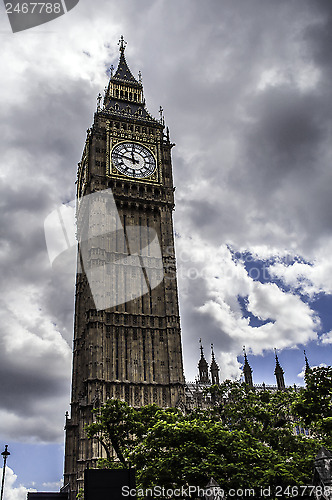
(307, 366)
(247, 369)
(278, 368)
(212, 351)
(201, 348)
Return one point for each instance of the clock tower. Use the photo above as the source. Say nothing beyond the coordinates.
(127, 340)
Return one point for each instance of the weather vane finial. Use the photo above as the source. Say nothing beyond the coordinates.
(122, 44)
(201, 347)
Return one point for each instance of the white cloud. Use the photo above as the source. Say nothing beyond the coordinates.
(309, 278)
(220, 280)
(326, 338)
(54, 486)
(12, 491)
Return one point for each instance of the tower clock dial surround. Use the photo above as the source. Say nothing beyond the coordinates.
(133, 160)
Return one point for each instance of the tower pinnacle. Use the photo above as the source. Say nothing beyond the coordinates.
(124, 95)
(279, 372)
(203, 367)
(214, 369)
(247, 370)
(307, 366)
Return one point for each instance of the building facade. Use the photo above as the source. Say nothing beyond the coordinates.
(127, 339)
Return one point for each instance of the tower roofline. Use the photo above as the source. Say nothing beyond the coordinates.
(124, 97)
(123, 72)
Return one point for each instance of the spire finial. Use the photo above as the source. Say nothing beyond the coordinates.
(140, 77)
(212, 351)
(161, 111)
(122, 44)
(201, 347)
(98, 101)
(307, 366)
(111, 70)
(279, 373)
(247, 369)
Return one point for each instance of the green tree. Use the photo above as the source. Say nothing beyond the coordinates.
(114, 421)
(246, 440)
(314, 403)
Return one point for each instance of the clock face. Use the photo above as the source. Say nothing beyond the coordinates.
(133, 160)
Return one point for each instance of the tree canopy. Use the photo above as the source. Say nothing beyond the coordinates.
(245, 440)
(314, 404)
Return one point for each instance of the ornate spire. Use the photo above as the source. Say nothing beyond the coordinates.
(124, 95)
(214, 369)
(202, 352)
(307, 366)
(203, 367)
(279, 372)
(247, 371)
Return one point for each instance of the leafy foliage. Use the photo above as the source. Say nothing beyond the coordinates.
(246, 440)
(314, 404)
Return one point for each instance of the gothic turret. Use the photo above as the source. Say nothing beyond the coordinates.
(203, 367)
(124, 94)
(307, 366)
(247, 370)
(214, 369)
(279, 373)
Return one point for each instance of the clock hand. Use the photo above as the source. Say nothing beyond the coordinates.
(130, 159)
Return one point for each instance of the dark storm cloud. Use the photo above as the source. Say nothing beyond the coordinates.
(286, 135)
(319, 34)
(280, 132)
(251, 164)
(28, 387)
(43, 135)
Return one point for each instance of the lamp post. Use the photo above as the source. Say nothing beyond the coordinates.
(5, 454)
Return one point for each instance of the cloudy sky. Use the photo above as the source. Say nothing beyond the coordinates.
(246, 90)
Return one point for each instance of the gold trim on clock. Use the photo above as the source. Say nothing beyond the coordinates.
(133, 160)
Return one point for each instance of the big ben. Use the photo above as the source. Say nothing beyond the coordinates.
(127, 338)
